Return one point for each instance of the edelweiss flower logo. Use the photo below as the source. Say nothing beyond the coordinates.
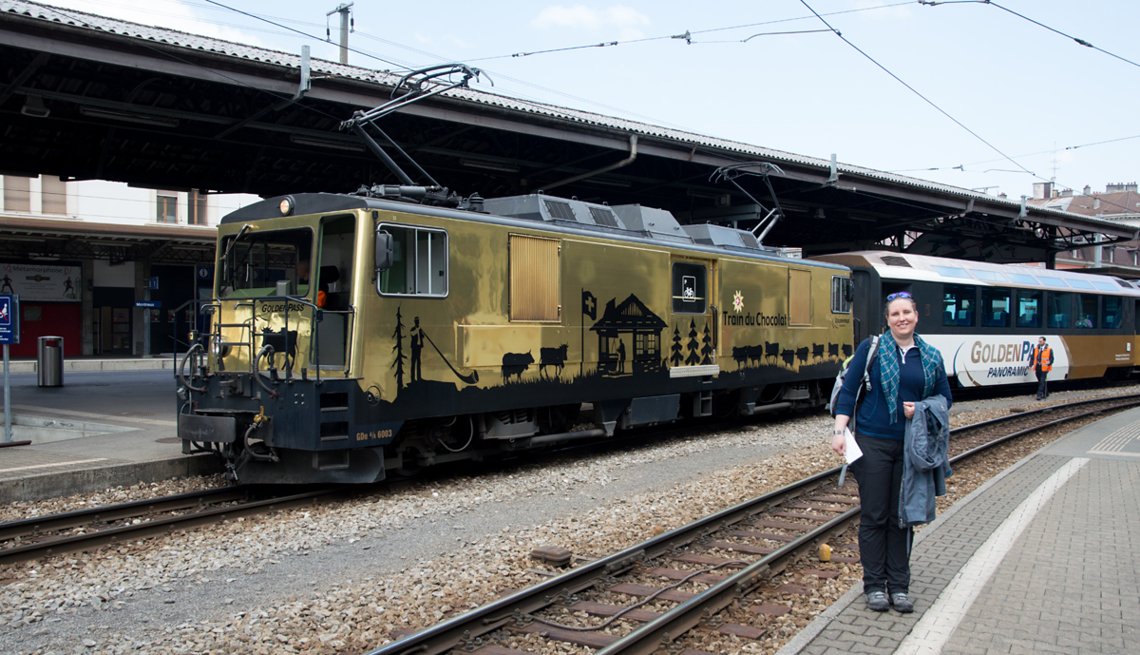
(737, 302)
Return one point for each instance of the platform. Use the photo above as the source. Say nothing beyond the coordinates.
(1040, 559)
(111, 423)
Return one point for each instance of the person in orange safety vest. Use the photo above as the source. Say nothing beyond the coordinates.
(1041, 362)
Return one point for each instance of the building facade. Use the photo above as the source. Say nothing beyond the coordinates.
(106, 266)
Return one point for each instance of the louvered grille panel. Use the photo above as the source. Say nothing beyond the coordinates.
(535, 279)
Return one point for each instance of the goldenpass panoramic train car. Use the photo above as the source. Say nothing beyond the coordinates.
(985, 318)
(427, 334)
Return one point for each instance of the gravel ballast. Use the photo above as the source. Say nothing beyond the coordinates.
(349, 576)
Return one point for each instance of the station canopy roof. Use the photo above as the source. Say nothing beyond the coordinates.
(89, 97)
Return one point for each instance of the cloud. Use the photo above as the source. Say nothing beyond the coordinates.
(619, 18)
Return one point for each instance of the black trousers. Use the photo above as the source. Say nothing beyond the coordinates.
(884, 547)
(1042, 388)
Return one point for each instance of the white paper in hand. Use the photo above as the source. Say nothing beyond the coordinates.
(851, 451)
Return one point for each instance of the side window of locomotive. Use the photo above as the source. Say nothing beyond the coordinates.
(995, 307)
(958, 306)
(1029, 306)
(419, 263)
(690, 288)
(1111, 307)
(841, 293)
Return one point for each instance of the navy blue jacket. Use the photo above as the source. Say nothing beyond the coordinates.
(873, 418)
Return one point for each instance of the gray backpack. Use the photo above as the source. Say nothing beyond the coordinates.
(839, 377)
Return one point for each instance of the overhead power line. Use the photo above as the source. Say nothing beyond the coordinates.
(1075, 39)
(916, 92)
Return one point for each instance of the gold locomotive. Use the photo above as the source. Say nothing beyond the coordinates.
(354, 335)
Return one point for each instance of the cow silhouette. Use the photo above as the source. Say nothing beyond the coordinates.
(789, 357)
(771, 350)
(282, 342)
(802, 354)
(515, 363)
(555, 357)
(833, 350)
(817, 351)
(740, 355)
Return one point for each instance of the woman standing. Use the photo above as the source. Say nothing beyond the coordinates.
(904, 370)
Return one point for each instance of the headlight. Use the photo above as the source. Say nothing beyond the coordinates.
(217, 349)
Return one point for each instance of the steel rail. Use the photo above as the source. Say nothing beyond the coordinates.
(656, 633)
(157, 526)
(107, 513)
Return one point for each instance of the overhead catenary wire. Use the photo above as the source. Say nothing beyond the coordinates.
(688, 35)
(916, 92)
(1076, 39)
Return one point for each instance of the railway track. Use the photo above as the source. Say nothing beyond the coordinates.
(649, 596)
(88, 529)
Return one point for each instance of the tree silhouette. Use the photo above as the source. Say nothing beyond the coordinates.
(706, 347)
(398, 335)
(678, 356)
(694, 345)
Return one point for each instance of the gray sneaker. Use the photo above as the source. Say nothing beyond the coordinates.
(877, 601)
(901, 602)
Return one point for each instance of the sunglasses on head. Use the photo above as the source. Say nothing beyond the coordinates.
(899, 294)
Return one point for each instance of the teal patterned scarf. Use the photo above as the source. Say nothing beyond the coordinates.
(889, 369)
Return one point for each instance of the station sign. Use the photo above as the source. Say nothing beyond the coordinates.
(9, 319)
(148, 304)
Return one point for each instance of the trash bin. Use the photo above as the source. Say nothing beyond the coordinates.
(49, 362)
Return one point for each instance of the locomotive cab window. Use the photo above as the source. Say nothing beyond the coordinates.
(415, 264)
(690, 288)
(841, 293)
(254, 262)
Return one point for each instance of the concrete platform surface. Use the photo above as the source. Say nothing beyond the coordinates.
(101, 428)
(1037, 560)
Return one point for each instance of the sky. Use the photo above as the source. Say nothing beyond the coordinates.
(990, 96)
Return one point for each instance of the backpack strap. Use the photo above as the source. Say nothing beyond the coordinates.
(871, 353)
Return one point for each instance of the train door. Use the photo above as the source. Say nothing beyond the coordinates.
(866, 310)
(334, 281)
(694, 284)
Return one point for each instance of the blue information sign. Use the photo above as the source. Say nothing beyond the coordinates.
(148, 304)
(9, 319)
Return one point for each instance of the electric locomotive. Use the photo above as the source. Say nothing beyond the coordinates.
(353, 336)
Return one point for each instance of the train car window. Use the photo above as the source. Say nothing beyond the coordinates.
(419, 264)
(1029, 305)
(951, 271)
(1104, 285)
(535, 279)
(690, 288)
(1111, 308)
(958, 306)
(995, 307)
(989, 276)
(1024, 278)
(841, 294)
(1086, 310)
(1060, 313)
